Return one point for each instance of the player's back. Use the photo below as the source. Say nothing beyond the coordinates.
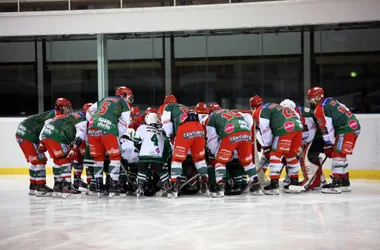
(227, 122)
(152, 142)
(282, 119)
(107, 114)
(342, 118)
(31, 127)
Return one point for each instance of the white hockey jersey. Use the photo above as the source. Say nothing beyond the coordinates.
(152, 141)
(128, 151)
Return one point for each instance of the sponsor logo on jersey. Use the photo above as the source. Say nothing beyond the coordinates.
(113, 151)
(353, 124)
(229, 128)
(32, 158)
(194, 134)
(240, 138)
(289, 126)
(158, 150)
(57, 152)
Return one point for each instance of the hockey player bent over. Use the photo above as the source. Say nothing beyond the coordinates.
(281, 131)
(309, 157)
(340, 130)
(57, 135)
(27, 136)
(152, 140)
(111, 117)
(189, 134)
(227, 131)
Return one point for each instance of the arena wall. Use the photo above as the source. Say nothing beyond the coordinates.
(364, 164)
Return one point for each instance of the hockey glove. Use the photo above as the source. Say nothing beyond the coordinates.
(328, 148)
(41, 147)
(266, 152)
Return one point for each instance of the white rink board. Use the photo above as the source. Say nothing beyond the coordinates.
(311, 221)
(366, 155)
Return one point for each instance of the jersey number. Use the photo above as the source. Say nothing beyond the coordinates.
(288, 113)
(104, 108)
(342, 108)
(154, 139)
(229, 116)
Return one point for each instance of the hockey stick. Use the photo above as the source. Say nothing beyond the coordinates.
(189, 180)
(305, 187)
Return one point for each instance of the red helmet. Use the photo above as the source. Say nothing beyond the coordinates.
(63, 102)
(86, 107)
(201, 108)
(315, 94)
(150, 110)
(213, 107)
(255, 102)
(124, 91)
(135, 111)
(170, 99)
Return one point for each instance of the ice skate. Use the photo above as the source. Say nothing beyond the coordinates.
(236, 189)
(43, 191)
(174, 190)
(69, 190)
(114, 190)
(334, 187)
(140, 189)
(205, 187)
(99, 186)
(218, 191)
(293, 182)
(57, 189)
(346, 185)
(272, 189)
(91, 191)
(255, 188)
(32, 189)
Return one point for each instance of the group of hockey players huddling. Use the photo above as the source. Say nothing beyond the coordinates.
(176, 150)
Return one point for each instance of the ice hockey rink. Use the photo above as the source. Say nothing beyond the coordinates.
(306, 221)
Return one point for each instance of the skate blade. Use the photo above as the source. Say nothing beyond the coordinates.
(331, 190)
(57, 195)
(172, 196)
(32, 193)
(291, 191)
(272, 192)
(71, 196)
(257, 193)
(345, 189)
(44, 194)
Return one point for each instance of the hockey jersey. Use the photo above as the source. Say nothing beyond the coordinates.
(128, 151)
(30, 128)
(276, 120)
(152, 142)
(222, 123)
(334, 118)
(111, 116)
(308, 123)
(66, 128)
(172, 115)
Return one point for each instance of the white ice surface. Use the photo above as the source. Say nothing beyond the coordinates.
(306, 221)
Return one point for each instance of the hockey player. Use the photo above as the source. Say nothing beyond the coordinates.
(227, 131)
(152, 141)
(58, 135)
(281, 132)
(27, 136)
(110, 118)
(309, 157)
(178, 121)
(340, 130)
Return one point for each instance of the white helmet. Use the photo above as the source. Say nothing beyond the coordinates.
(287, 103)
(151, 118)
